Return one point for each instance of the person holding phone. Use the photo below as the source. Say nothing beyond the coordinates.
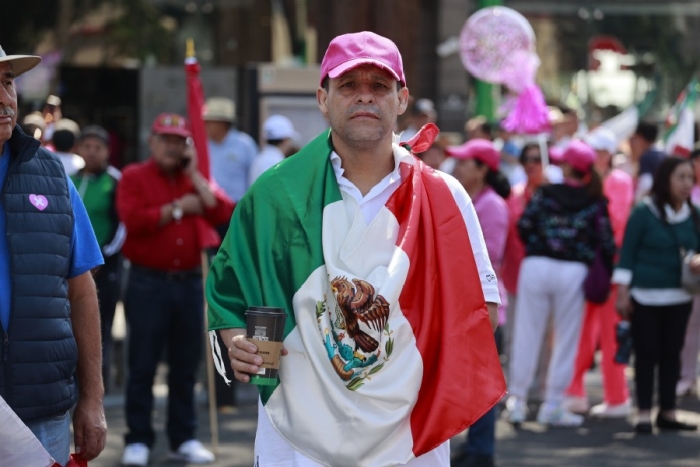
(169, 210)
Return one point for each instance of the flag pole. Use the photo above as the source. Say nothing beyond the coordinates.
(211, 383)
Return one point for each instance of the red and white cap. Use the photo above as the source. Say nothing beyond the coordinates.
(171, 124)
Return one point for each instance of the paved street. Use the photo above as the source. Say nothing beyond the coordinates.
(597, 443)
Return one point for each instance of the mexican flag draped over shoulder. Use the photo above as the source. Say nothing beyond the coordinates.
(391, 352)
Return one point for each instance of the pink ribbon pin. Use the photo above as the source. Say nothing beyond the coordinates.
(39, 201)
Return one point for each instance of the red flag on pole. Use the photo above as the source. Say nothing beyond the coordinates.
(195, 103)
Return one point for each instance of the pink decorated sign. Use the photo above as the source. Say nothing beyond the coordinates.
(497, 45)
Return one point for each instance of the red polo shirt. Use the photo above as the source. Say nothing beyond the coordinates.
(177, 245)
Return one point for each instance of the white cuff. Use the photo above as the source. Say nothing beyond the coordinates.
(622, 276)
(492, 296)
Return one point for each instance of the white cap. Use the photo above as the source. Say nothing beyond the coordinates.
(279, 127)
(602, 139)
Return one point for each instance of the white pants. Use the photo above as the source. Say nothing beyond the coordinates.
(272, 450)
(547, 286)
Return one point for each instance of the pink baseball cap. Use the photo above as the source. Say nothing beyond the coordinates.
(579, 156)
(349, 51)
(479, 149)
(170, 124)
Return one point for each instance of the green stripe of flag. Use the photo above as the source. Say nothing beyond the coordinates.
(274, 240)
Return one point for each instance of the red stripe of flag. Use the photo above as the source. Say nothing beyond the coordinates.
(195, 103)
(444, 303)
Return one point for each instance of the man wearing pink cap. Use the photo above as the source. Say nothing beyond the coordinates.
(386, 321)
(169, 210)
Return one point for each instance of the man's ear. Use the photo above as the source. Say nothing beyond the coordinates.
(403, 100)
(321, 97)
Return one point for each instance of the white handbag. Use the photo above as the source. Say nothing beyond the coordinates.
(689, 281)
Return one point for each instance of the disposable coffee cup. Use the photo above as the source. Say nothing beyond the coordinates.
(265, 327)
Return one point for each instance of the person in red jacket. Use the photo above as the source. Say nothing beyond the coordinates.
(169, 210)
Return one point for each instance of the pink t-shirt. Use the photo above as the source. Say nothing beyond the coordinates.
(492, 212)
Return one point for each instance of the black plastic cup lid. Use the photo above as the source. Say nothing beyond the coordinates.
(266, 310)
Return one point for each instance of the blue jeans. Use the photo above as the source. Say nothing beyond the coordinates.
(481, 437)
(54, 434)
(163, 312)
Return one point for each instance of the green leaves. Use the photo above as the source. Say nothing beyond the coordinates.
(356, 383)
(320, 308)
(376, 369)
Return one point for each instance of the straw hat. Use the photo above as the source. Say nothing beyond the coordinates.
(20, 63)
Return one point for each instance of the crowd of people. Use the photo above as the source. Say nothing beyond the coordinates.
(635, 209)
(531, 220)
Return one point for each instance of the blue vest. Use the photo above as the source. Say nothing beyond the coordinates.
(38, 354)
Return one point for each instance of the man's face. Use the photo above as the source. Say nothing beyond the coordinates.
(168, 151)
(433, 157)
(216, 130)
(423, 119)
(362, 106)
(95, 152)
(8, 102)
(637, 146)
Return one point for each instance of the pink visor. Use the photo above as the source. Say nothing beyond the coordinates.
(479, 149)
(579, 156)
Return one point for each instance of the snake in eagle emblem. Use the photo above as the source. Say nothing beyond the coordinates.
(358, 302)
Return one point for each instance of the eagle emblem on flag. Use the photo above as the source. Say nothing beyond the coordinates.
(354, 331)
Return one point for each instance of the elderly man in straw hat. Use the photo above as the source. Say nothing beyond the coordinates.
(49, 315)
(231, 151)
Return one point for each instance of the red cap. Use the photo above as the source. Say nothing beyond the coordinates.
(170, 124)
(479, 149)
(579, 156)
(361, 48)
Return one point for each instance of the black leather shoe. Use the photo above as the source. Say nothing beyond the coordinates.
(643, 428)
(666, 424)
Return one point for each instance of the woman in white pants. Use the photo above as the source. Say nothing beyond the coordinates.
(562, 227)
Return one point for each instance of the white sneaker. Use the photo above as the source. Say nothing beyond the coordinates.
(576, 404)
(556, 415)
(612, 411)
(686, 388)
(192, 452)
(516, 410)
(135, 455)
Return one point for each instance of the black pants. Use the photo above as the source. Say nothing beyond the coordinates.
(658, 333)
(108, 281)
(163, 313)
